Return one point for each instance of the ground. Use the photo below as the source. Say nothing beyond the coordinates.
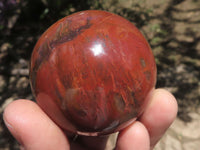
(172, 27)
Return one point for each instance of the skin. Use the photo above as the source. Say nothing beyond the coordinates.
(36, 131)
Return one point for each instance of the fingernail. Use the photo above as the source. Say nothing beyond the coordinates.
(13, 132)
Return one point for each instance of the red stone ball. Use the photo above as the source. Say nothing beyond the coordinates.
(92, 73)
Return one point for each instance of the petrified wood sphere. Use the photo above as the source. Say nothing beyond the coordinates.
(92, 72)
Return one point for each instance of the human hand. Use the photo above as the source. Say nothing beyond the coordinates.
(36, 131)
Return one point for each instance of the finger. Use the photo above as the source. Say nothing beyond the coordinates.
(32, 128)
(159, 114)
(135, 137)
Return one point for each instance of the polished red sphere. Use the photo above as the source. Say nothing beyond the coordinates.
(92, 72)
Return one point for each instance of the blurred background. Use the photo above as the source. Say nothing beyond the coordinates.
(172, 27)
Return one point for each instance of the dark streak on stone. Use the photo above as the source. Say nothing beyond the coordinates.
(119, 102)
(57, 93)
(134, 99)
(82, 113)
(148, 75)
(71, 34)
(46, 49)
(44, 52)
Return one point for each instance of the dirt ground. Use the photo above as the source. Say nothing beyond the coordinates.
(172, 28)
